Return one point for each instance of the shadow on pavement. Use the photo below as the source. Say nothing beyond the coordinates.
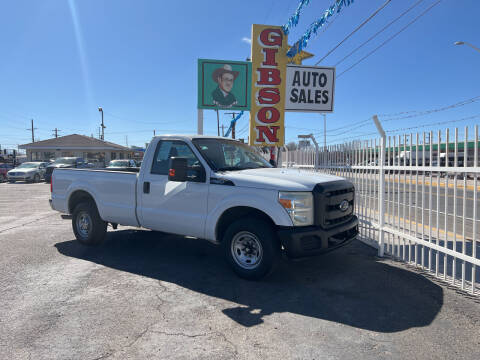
(348, 286)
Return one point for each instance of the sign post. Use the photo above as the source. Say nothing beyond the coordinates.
(199, 122)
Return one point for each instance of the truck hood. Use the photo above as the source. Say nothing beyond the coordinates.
(276, 178)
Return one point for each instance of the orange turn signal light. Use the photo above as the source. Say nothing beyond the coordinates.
(287, 204)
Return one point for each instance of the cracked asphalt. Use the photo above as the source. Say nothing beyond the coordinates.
(148, 295)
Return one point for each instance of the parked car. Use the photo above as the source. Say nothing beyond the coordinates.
(216, 189)
(4, 168)
(28, 171)
(121, 164)
(64, 162)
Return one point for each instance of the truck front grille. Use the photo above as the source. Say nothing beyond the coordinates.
(328, 198)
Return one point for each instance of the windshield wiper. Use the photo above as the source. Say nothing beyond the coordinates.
(229, 168)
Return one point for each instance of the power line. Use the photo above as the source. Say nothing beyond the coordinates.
(354, 31)
(414, 127)
(390, 38)
(435, 124)
(415, 114)
(379, 32)
(427, 112)
(359, 124)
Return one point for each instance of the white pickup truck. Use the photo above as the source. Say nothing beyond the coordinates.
(216, 189)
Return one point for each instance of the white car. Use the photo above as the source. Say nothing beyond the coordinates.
(28, 171)
(216, 189)
(121, 164)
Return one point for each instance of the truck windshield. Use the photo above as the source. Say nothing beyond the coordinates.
(223, 155)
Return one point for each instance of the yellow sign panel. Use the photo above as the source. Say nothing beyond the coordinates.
(269, 65)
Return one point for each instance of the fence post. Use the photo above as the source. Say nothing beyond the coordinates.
(381, 187)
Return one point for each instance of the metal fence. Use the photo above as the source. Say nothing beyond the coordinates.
(416, 197)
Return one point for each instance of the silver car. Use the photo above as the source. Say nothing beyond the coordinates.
(29, 171)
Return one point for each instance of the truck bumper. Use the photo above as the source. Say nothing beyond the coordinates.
(313, 240)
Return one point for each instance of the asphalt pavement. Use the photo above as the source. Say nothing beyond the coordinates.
(148, 295)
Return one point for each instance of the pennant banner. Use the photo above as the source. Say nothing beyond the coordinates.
(316, 25)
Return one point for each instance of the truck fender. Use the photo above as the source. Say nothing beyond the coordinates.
(74, 187)
(278, 215)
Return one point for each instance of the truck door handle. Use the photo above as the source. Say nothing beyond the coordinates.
(146, 187)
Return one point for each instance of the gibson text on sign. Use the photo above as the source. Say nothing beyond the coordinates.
(267, 114)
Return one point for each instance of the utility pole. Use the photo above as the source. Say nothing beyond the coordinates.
(126, 140)
(324, 132)
(218, 124)
(56, 132)
(99, 133)
(33, 132)
(102, 126)
(153, 132)
(233, 125)
(223, 130)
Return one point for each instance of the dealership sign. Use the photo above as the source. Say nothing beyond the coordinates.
(224, 84)
(310, 89)
(267, 114)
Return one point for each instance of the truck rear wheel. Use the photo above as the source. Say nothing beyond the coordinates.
(251, 248)
(88, 227)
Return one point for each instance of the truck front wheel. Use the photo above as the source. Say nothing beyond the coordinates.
(88, 227)
(251, 248)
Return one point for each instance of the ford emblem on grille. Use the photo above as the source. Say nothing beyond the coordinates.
(344, 205)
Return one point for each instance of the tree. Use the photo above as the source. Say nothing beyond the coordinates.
(291, 146)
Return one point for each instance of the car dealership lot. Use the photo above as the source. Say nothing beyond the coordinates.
(144, 294)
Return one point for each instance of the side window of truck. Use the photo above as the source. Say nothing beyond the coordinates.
(167, 149)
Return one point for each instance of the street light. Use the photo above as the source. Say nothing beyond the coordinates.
(103, 126)
(466, 43)
(311, 137)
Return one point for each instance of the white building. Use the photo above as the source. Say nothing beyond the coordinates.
(91, 149)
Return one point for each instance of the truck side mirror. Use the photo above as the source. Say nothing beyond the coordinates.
(177, 169)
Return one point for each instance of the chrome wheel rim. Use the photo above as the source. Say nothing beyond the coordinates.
(246, 250)
(84, 224)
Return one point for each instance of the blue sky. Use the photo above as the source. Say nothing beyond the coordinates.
(138, 60)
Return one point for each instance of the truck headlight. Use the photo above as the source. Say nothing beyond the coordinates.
(299, 206)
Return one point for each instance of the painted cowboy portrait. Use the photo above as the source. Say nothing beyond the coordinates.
(222, 95)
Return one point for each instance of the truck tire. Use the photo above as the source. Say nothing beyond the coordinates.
(251, 248)
(88, 227)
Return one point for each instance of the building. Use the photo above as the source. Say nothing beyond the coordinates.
(93, 150)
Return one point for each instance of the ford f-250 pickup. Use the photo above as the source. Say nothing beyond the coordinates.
(216, 189)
